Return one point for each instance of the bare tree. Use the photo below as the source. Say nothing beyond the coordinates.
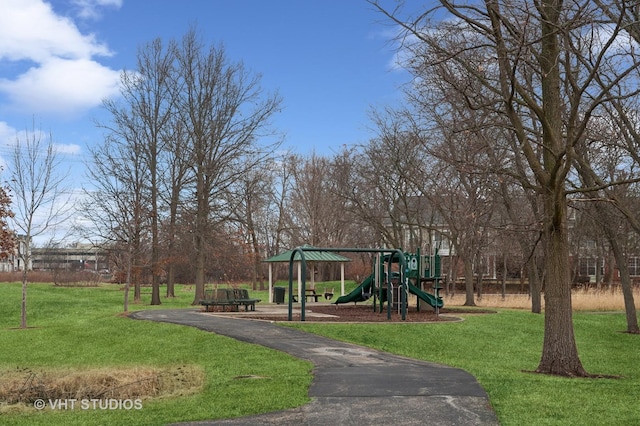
(227, 116)
(317, 209)
(277, 221)
(117, 209)
(377, 183)
(611, 210)
(278, 214)
(368, 196)
(143, 116)
(429, 171)
(248, 200)
(549, 65)
(177, 178)
(40, 199)
(519, 210)
(319, 213)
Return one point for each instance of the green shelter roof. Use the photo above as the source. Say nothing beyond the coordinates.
(310, 256)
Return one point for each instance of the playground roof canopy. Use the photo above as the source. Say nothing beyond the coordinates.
(310, 256)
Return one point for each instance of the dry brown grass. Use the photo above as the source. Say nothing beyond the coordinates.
(24, 386)
(582, 300)
(58, 278)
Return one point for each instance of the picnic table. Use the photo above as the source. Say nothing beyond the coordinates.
(309, 294)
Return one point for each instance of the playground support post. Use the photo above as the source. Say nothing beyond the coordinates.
(376, 280)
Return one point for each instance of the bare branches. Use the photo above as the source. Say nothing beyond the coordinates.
(41, 202)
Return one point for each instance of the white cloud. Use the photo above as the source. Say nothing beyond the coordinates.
(71, 149)
(65, 78)
(7, 134)
(90, 9)
(61, 86)
(30, 30)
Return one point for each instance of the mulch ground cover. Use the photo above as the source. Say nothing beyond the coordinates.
(365, 313)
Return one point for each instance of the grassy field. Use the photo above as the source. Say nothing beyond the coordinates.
(501, 350)
(82, 330)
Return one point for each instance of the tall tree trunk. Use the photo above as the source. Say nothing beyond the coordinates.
(452, 275)
(608, 272)
(609, 228)
(627, 291)
(23, 310)
(201, 231)
(255, 255)
(504, 276)
(480, 276)
(559, 351)
(137, 290)
(171, 278)
(468, 282)
(155, 277)
(257, 276)
(155, 263)
(171, 267)
(127, 283)
(155, 241)
(200, 269)
(623, 267)
(535, 285)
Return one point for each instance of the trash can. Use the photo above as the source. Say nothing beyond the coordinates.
(278, 295)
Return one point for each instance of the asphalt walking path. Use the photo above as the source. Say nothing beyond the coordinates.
(352, 385)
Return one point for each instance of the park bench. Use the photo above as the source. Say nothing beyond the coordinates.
(241, 297)
(218, 298)
(229, 298)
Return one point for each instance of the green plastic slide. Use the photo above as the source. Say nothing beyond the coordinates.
(427, 297)
(357, 294)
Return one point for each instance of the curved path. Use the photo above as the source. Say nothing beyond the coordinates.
(352, 385)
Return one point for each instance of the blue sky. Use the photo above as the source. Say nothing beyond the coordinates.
(330, 60)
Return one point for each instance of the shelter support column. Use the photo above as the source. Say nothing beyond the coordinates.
(300, 295)
(270, 282)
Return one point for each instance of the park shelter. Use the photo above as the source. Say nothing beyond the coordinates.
(310, 258)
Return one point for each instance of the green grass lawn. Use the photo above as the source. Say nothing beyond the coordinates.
(83, 328)
(502, 349)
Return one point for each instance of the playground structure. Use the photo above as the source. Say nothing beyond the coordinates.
(420, 270)
(385, 284)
